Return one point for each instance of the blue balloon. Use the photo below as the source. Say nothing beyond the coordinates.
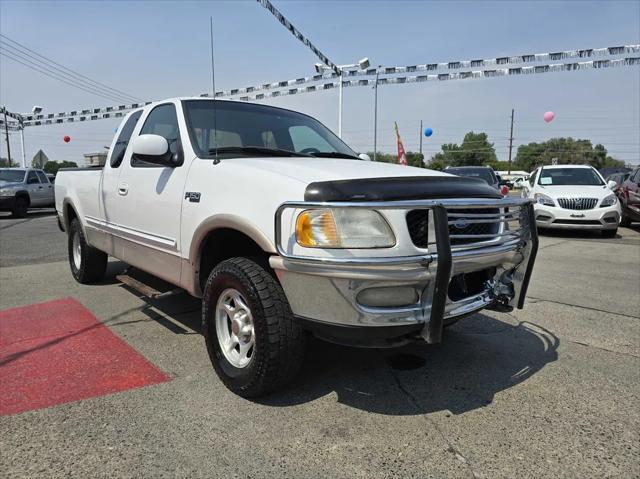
(428, 132)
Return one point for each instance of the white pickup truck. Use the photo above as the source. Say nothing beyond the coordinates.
(282, 230)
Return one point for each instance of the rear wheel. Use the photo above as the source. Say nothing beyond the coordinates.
(20, 207)
(88, 265)
(609, 233)
(253, 340)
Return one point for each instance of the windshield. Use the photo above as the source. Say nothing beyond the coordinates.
(12, 175)
(246, 129)
(569, 176)
(481, 173)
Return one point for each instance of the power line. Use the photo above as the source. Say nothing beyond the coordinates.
(67, 71)
(57, 77)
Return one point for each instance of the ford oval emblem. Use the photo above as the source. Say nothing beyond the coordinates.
(461, 223)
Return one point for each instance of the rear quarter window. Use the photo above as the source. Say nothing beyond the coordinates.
(119, 149)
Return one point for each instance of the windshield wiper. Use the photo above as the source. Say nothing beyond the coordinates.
(334, 154)
(254, 150)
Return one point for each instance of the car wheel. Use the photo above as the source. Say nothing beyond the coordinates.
(625, 221)
(253, 340)
(20, 207)
(88, 264)
(609, 233)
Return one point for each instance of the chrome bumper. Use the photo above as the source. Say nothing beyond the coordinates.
(329, 290)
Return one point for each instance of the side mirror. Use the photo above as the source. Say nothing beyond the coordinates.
(153, 149)
(612, 184)
(364, 156)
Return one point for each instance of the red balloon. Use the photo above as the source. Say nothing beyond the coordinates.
(67, 138)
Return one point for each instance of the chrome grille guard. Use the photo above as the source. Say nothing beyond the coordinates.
(525, 237)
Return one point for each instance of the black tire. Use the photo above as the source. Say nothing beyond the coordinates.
(93, 262)
(20, 207)
(609, 233)
(279, 342)
(625, 221)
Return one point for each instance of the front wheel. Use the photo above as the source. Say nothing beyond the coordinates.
(88, 265)
(20, 207)
(253, 340)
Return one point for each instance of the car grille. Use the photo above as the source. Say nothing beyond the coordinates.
(577, 203)
(466, 226)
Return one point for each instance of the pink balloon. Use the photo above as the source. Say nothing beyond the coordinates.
(549, 116)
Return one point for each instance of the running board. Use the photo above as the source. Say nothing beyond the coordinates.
(145, 289)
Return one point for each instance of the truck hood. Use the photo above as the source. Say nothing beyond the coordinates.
(576, 191)
(9, 184)
(307, 170)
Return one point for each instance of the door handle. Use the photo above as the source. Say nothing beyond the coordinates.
(123, 189)
(39, 187)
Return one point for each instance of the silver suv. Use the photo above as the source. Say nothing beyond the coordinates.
(24, 188)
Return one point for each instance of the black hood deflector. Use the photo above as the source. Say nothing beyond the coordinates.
(400, 188)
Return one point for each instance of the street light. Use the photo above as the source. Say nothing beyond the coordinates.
(363, 64)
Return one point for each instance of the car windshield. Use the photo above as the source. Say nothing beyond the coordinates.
(481, 173)
(249, 130)
(569, 176)
(11, 176)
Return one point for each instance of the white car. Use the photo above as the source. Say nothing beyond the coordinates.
(282, 229)
(573, 197)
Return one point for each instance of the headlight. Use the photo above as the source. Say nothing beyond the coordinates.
(6, 192)
(343, 228)
(609, 201)
(543, 199)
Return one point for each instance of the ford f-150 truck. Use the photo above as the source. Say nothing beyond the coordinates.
(282, 230)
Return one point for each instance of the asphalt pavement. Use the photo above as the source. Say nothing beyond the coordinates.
(549, 391)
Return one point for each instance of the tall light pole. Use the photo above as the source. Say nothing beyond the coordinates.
(375, 114)
(320, 69)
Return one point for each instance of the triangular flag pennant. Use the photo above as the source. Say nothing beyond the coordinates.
(402, 156)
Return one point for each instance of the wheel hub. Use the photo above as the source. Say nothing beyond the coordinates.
(234, 328)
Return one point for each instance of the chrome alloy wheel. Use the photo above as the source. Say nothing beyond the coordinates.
(77, 252)
(234, 328)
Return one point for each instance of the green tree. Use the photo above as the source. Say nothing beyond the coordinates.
(413, 158)
(4, 163)
(566, 151)
(475, 150)
(54, 166)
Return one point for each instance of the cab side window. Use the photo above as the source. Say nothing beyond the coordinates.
(43, 177)
(162, 121)
(32, 178)
(119, 149)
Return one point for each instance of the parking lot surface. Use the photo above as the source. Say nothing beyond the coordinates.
(549, 391)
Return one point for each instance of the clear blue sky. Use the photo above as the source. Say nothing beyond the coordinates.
(160, 49)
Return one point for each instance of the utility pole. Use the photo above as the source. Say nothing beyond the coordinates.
(510, 142)
(6, 135)
(24, 158)
(375, 116)
(421, 157)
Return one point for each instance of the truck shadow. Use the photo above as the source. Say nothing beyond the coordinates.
(479, 357)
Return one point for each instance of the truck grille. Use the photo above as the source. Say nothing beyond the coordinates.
(466, 226)
(418, 224)
(577, 203)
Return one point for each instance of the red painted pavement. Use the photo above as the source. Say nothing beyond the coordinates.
(58, 352)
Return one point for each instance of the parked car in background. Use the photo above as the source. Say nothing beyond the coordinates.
(573, 197)
(484, 173)
(629, 196)
(24, 188)
(519, 182)
(52, 178)
(619, 178)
